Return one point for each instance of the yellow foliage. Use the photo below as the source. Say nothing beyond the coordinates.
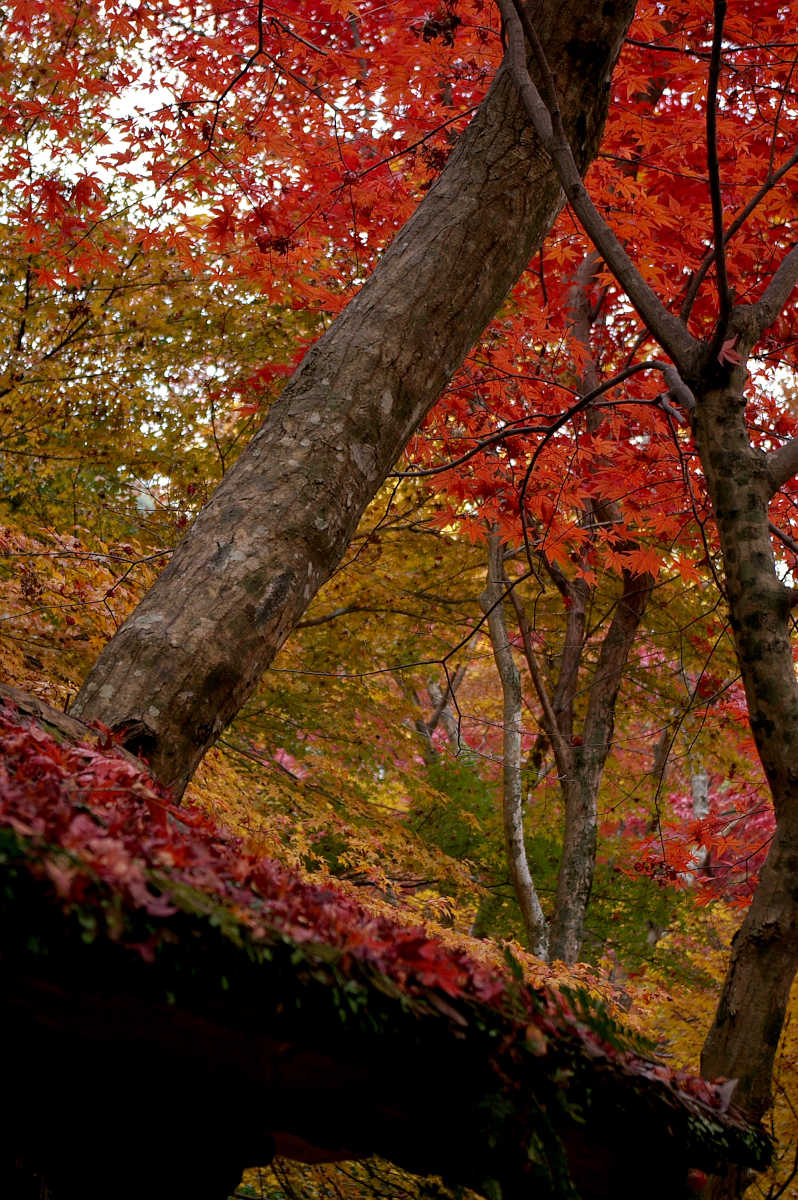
(61, 598)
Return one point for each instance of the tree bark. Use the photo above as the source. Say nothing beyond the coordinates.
(192, 652)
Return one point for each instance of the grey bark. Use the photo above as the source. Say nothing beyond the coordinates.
(425, 743)
(192, 652)
(492, 602)
(443, 713)
(699, 787)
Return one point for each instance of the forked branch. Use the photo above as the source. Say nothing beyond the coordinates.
(770, 305)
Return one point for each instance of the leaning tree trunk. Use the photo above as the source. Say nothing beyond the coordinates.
(189, 656)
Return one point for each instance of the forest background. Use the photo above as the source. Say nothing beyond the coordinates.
(192, 193)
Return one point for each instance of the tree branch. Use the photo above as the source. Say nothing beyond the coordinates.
(713, 169)
(776, 294)
(782, 464)
(669, 330)
(615, 647)
(562, 751)
(676, 388)
(699, 275)
(783, 537)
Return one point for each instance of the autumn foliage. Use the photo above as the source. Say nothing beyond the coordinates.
(191, 193)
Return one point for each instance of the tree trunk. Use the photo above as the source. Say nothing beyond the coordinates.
(744, 1037)
(189, 656)
(492, 601)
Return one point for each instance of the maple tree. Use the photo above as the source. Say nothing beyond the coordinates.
(380, 400)
(740, 481)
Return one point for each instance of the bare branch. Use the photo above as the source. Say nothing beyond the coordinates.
(668, 329)
(698, 277)
(562, 751)
(614, 652)
(713, 168)
(783, 537)
(440, 697)
(676, 388)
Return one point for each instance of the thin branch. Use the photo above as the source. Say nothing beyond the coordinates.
(450, 691)
(256, 54)
(23, 320)
(562, 751)
(783, 537)
(676, 388)
(699, 275)
(782, 96)
(668, 329)
(713, 168)
(332, 616)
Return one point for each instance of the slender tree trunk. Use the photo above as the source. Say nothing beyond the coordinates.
(581, 783)
(699, 787)
(189, 656)
(492, 602)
